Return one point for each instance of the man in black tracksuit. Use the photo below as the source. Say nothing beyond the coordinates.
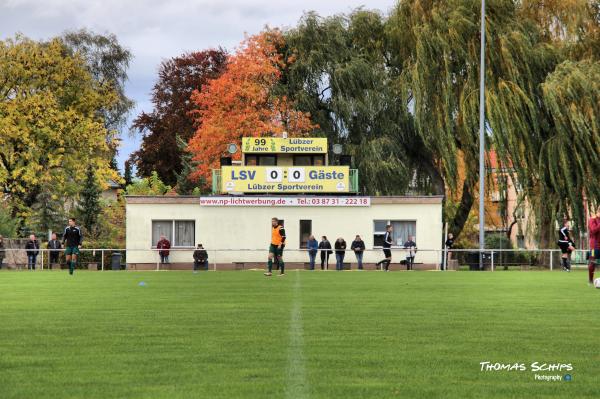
(387, 245)
(566, 245)
(72, 238)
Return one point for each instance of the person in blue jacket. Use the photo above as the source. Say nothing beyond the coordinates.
(313, 247)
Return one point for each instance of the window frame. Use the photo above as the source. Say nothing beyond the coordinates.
(172, 240)
(302, 245)
(389, 221)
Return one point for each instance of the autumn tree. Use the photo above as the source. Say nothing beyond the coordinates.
(50, 123)
(171, 97)
(242, 102)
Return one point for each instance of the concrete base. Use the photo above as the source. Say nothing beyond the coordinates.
(253, 265)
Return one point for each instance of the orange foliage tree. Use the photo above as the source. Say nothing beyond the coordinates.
(242, 103)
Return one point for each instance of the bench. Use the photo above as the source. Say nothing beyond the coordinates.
(239, 265)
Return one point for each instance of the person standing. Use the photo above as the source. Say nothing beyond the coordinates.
(200, 258)
(594, 234)
(276, 247)
(2, 251)
(32, 246)
(411, 246)
(72, 241)
(358, 246)
(325, 247)
(163, 245)
(312, 245)
(340, 252)
(387, 252)
(448, 251)
(566, 245)
(54, 248)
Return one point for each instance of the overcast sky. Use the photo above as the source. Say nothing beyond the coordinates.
(154, 30)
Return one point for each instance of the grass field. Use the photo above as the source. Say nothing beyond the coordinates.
(307, 335)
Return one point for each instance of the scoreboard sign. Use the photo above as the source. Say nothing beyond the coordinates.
(274, 179)
(278, 145)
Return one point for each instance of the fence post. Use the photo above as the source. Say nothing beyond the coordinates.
(551, 261)
(492, 260)
(215, 262)
(102, 260)
(42, 265)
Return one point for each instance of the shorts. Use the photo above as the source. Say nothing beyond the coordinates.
(387, 252)
(564, 247)
(594, 253)
(71, 251)
(275, 251)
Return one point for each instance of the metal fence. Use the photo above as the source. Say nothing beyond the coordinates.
(239, 259)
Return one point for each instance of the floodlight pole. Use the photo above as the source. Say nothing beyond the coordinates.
(482, 138)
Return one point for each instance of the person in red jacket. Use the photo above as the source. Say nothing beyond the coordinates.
(594, 234)
(163, 245)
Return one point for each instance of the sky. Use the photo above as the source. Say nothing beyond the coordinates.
(155, 30)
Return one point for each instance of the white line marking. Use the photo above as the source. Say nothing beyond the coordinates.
(297, 386)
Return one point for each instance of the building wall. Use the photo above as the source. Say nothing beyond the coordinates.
(236, 230)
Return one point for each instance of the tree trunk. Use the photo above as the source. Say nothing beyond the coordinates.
(462, 213)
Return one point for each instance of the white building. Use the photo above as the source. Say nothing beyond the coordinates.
(304, 191)
(241, 232)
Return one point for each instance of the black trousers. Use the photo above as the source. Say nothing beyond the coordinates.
(53, 258)
(324, 259)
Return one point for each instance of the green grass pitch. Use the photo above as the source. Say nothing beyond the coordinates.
(306, 335)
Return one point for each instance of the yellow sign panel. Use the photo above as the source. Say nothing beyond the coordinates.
(274, 179)
(271, 145)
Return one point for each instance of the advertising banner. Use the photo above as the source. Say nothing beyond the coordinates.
(284, 201)
(278, 145)
(275, 179)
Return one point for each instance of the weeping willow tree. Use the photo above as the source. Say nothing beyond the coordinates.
(539, 118)
(402, 93)
(341, 75)
(544, 110)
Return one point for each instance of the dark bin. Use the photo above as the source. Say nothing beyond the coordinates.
(115, 261)
(472, 259)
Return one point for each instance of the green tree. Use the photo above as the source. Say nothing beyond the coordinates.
(47, 212)
(341, 75)
(107, 61)
(128, 176)
(185, 186)
(89, 204)
(152, 185)
(8, 223)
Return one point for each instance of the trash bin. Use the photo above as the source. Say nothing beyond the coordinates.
(472, 260)
(115, 261)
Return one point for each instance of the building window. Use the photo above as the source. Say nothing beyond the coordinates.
(309, 160)
(162, 228)
(305, 232)
(401, 229)
(260, 160)
(181, 233)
